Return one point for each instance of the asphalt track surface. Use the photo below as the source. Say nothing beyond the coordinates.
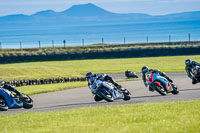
(82, 97)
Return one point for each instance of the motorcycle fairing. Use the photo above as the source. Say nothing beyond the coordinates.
(155, 77)
(112, 89)
(11, 102)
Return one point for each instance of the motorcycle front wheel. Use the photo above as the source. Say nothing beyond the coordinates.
(27, 102)
(127, 95)
(3, 105)
(175, 90)
(105, 94)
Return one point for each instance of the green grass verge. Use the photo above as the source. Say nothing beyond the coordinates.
(167, 117)
(37, 89)
(42, 70)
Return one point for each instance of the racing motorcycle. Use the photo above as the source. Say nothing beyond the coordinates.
(9, 100)
(130, 74)
(196, 73)
(109, 92)
(160, 84)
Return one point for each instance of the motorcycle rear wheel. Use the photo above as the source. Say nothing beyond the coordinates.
(104, 96)
(136, 76)
(3, 105)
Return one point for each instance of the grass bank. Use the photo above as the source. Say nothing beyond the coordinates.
(173, 117)
(94, 47)
(50, 69)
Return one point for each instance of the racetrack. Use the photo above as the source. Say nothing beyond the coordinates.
(82, 97)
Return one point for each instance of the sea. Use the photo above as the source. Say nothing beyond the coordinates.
(29, 36)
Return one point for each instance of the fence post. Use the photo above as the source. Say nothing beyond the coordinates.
(39, 45)
(64, 43)
(124, 40)
(83, 42)
(0, 46)
(169, 38)
(20, 45)
(189, 37)
(53, 43)
(147, 39)
(102, 40)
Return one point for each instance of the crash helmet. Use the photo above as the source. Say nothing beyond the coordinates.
(89, 75)
(145, 69)
(188, 62)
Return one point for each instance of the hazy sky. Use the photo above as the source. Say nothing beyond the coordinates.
(153, 7)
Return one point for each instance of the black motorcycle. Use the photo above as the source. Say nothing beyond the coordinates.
(130, 74)
(196, 73)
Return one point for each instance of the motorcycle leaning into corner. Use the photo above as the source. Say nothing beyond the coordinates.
(109, 92)
(9, 100)
(196, 73)
(160, 84)
(130, 74)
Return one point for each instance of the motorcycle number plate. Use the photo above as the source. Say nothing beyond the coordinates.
(148, 76)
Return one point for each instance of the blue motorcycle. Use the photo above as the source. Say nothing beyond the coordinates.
(9, 100)
(160, 84)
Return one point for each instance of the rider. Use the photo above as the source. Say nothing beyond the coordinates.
(145, 69)
(189, 65)
(91, 79)
(127, 73)
(10, 88)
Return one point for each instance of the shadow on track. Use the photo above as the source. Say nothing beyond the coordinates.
(77, 104)
(147, 96)
(195, 89)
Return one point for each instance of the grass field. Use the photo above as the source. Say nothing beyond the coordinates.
(167, 117)
(42, 70)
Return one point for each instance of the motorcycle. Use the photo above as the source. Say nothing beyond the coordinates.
(130, 74)
(160, 84)
(109, 92)
(8, 100)
(196, 73)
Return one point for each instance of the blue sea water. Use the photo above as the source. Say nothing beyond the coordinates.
(29, 36)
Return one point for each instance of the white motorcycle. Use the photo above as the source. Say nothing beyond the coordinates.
(109, 92)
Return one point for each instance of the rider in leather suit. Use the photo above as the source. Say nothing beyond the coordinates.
(91, 78)
(10, 88)
(188, 68)
(145, 69)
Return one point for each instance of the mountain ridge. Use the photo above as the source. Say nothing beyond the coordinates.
(90, 13)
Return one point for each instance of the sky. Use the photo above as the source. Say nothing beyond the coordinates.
(152, 7)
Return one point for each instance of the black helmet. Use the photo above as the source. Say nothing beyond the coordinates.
(188, 62)
(145, 69)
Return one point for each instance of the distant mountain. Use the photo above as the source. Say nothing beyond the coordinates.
(86, 10)
(92, 14)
